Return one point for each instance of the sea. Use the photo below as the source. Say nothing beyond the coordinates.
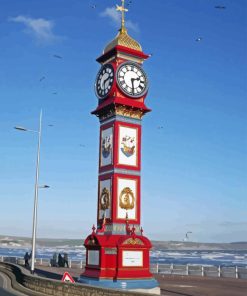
(191, 257)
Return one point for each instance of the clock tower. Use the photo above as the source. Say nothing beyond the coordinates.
(117, 252)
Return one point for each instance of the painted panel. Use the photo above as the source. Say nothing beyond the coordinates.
(105, 199)
(93, 257)
(132, 258)
(126, 199)
(128, 146)
(106, 147)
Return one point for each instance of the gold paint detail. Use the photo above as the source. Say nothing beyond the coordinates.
(123, 10)
(122, 37)
(122, 111)
(127, 199)
(128, 112)
(133, 241)
(104, 199)
(92, 242)
(111, 251)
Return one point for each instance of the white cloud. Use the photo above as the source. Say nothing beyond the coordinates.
(40, 29)
(115, 17)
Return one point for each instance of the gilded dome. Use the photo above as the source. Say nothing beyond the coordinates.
(123, 39)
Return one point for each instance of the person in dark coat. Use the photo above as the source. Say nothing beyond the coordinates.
(60, 260)
(66, 260)
(26, 258)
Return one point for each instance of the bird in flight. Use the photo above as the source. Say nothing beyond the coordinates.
(187, 235)
(198, 39)
(57, 56)
(93, 6)
(220, 7)
(160, 127)
(42, 78)
(50, 125)
(54, 93)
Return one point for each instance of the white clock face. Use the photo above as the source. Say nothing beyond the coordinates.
(132, 80)
(104, 81)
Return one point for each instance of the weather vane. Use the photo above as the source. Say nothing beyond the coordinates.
(123, 10)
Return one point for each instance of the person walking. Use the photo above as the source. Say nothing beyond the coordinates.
(26, 258)
(60, 260)
(54, 261)
(66, 260)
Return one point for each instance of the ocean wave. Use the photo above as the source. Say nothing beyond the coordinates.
(205, 258)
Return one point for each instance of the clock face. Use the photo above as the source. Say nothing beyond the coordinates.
(132, 80)
(104, 81)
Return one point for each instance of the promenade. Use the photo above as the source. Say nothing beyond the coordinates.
(173, 285)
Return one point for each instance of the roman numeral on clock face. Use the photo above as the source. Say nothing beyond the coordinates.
(104, 81)
(132, 79)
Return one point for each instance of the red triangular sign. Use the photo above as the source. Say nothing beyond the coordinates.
(67, 278)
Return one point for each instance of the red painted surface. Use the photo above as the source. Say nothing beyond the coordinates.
(110, 247)
(111, 265)
(115, 164)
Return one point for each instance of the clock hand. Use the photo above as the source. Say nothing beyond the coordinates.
(106, 81)
(133, 80)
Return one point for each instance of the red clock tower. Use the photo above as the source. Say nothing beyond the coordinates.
(117, 252)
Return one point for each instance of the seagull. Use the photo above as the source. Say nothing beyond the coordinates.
(220, 7)
(198, 39)
(128, 4)
(50, 125)
(187, 236)
(82, 145)
(160, 127)
(42, 78)
(57, 56)
(54, 93)
(93, 6)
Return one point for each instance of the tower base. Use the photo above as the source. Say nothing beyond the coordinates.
(119, 262)
(138, 285)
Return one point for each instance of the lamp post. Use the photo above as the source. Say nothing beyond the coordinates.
(36, 190)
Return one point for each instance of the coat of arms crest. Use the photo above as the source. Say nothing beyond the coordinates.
(127, 199)
(128, 146)
(106, 146)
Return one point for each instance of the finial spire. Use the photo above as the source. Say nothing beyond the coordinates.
(123, 10)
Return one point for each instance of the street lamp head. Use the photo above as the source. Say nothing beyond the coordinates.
(20, 128)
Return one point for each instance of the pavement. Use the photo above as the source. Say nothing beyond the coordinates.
(6, 288)
(171, 285)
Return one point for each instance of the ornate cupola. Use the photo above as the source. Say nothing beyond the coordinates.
(117, 250)
(125, 40)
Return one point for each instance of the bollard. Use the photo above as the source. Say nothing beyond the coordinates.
(219, 271)
(69, 263)
(157, 268)
(236, 272)
(202, 270)
(171, 268)
(81, 264)
(187, 269)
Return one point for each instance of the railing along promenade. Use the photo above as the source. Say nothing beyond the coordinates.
(157, 268)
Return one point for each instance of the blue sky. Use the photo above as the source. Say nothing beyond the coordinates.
(194, 168)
